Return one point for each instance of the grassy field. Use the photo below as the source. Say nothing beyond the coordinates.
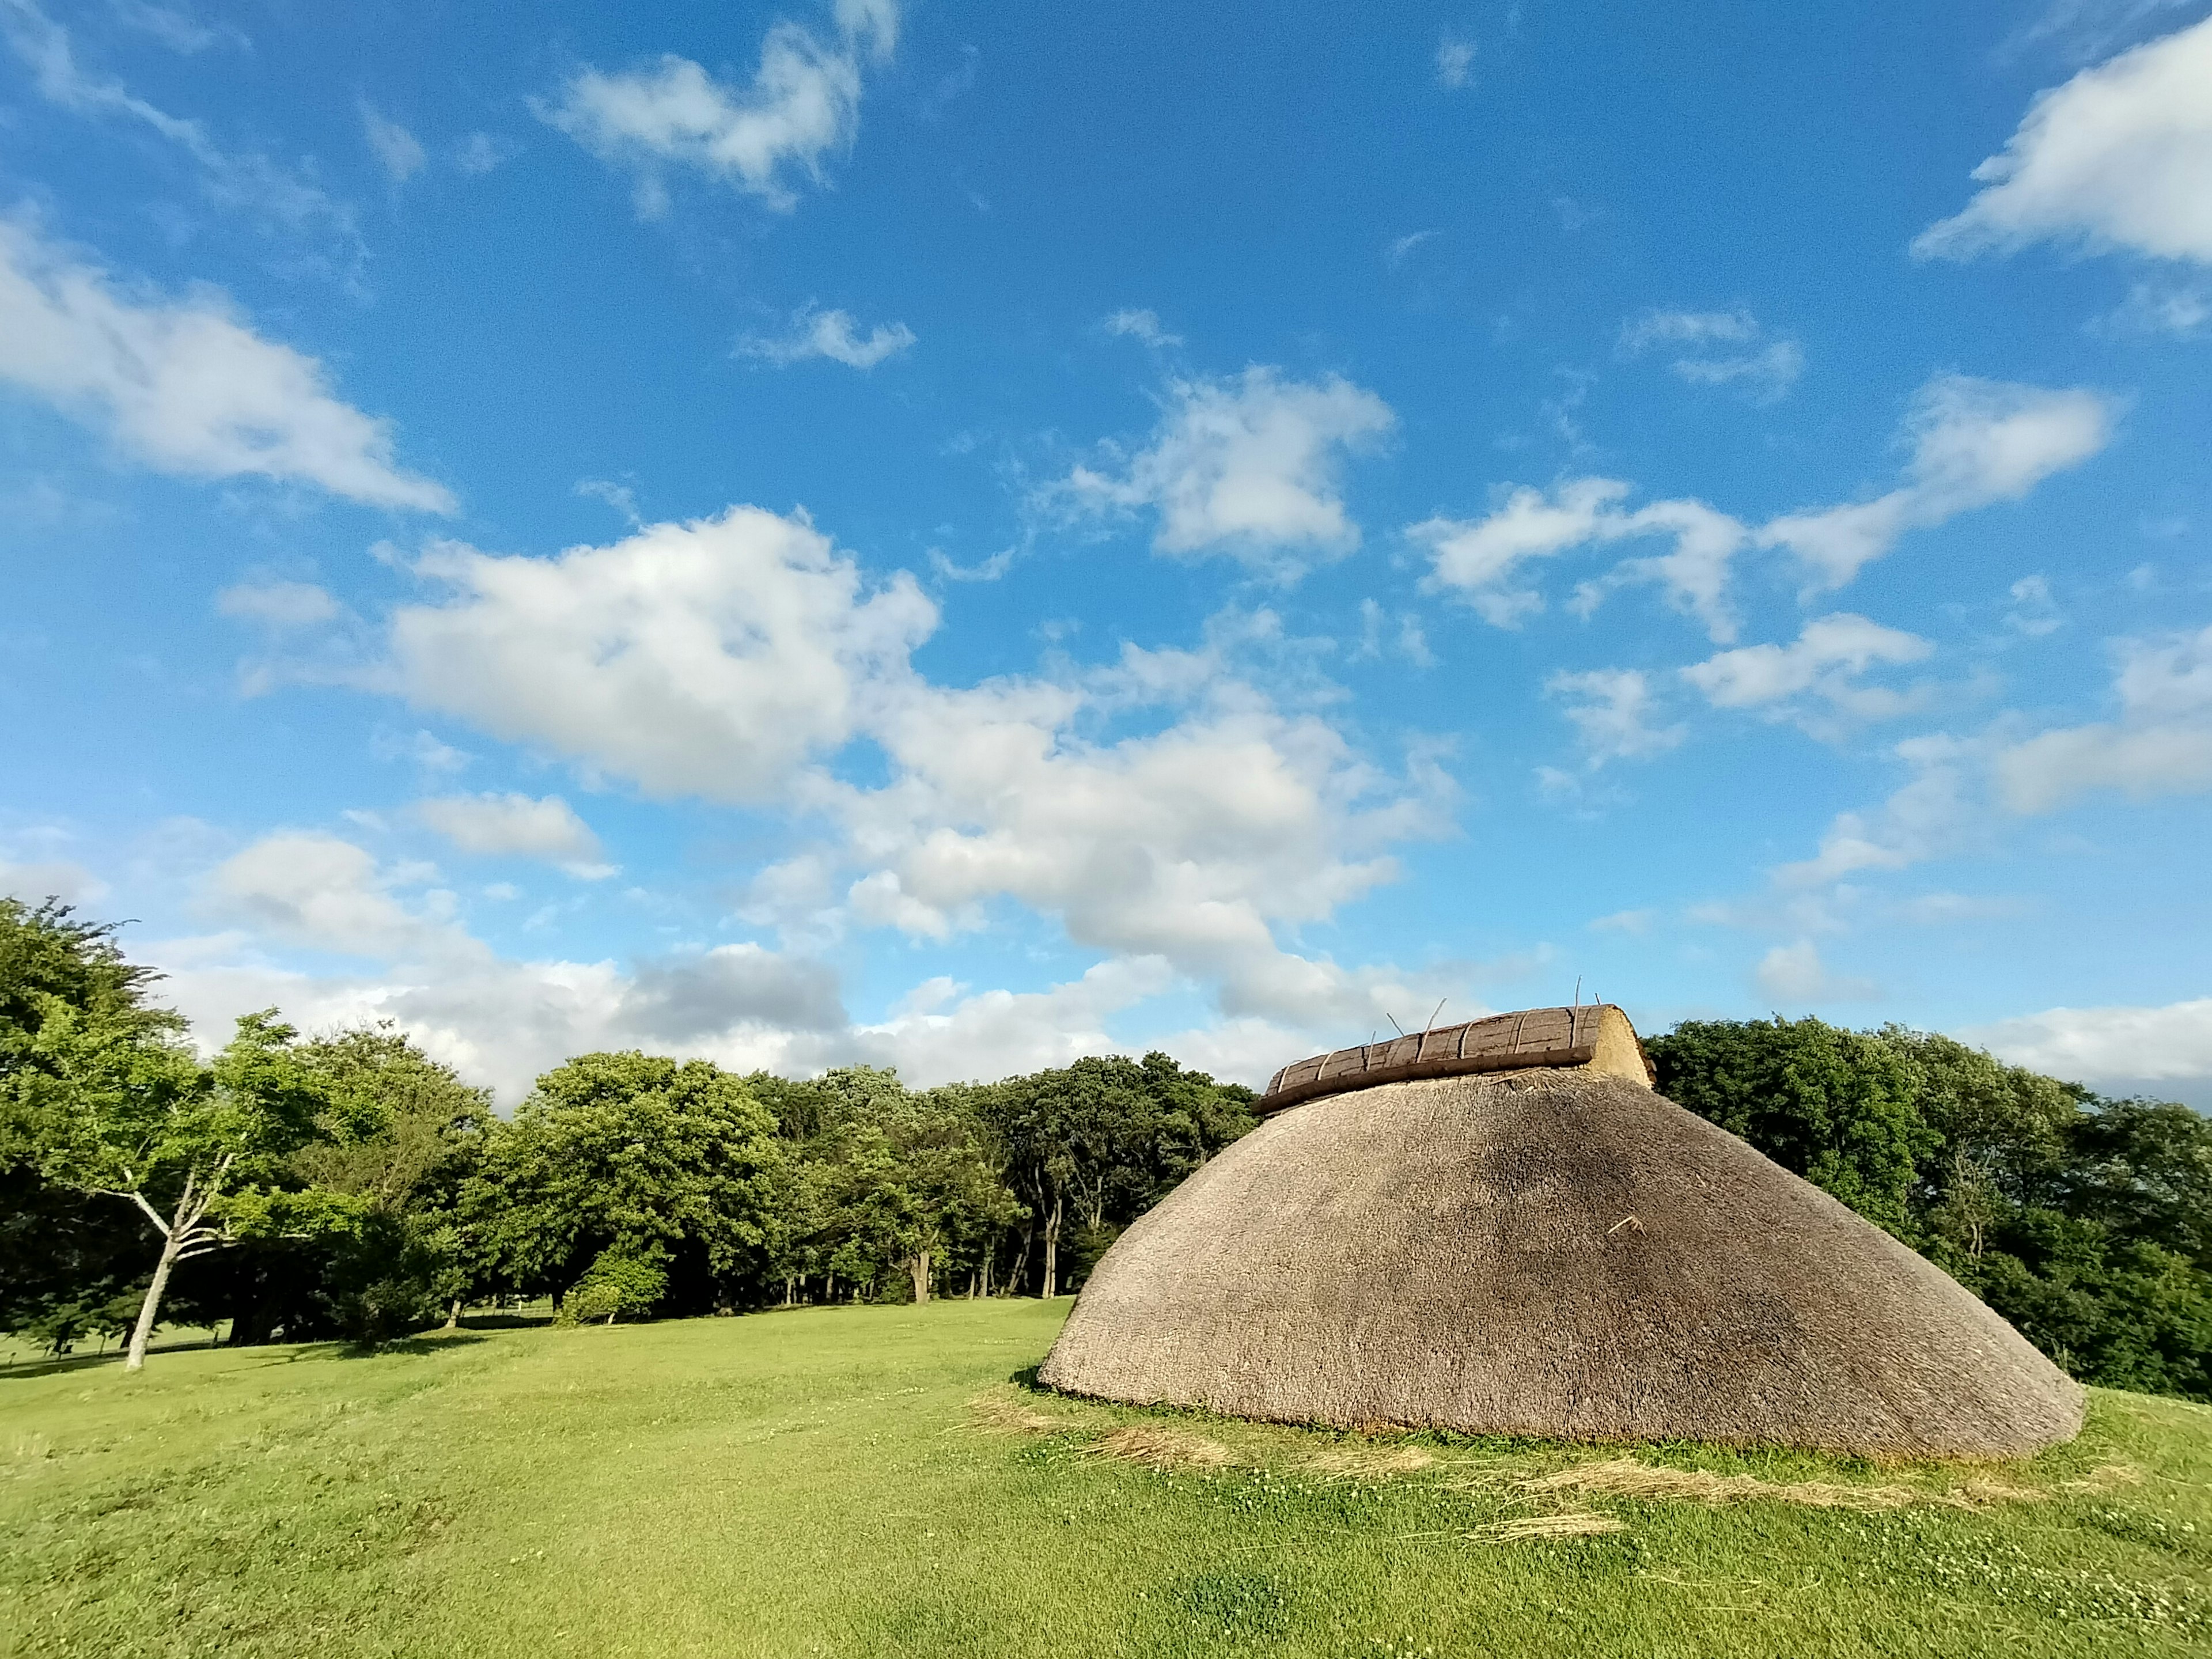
(863, 1482)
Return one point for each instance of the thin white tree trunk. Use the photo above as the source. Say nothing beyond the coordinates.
(150, 1309)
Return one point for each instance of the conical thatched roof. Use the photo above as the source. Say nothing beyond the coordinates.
(1547, 1251)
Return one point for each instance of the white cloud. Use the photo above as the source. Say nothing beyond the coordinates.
(1395, 255)
(743, 1005)
(34, 881)
(2118, 157)
(519, 826)
(1143, 325)
(497, 1019)
(2034, 613)
(833, 335)
(1719, 348)
(1938, 810)
(1192, 843)
(397, 151)
(2080, 30)
(1612, 709)
(2179, 308)
(278, 605)
(1455, 60)
(619, 496)
(1636, 923)
(186, 386)
(175, 26)
(252, 183)
(803, 106)
(713, 659)
(1974, 443)
(1161, 805)
(316, 891)
(2161, 745)
(1794, 973)
(1826, 660)
(2092, 1045)
(1483, 558)
(480, 152)
(1250, 466)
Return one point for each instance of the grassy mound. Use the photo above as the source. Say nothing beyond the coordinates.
(880, 1481)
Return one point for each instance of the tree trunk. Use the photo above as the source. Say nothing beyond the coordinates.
(989, 1251)
(453, 1315)
(917, 1267)
(1052, 1249)
(149, 1310)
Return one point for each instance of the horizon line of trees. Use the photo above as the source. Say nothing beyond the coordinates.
(347, 1186)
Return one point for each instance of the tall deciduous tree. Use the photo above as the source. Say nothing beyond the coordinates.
(128, 1113)
(635, 1153)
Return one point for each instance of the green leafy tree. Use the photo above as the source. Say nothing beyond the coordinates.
(633, 1153)
(118, 1110)
(394, 1141)
(618, 1281)
(1841, 1108)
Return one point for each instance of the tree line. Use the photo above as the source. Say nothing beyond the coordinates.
(347, 1185)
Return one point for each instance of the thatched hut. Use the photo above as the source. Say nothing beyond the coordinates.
(1500, 1228)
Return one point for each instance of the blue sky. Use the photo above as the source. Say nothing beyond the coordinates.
(962, 536)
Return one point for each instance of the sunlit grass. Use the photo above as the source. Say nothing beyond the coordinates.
(856, 1481)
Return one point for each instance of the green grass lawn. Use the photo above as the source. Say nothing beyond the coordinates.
(878, 1480)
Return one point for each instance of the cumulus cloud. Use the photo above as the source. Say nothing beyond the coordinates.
(2170, 1043)
(1159, 805)
(1612, 710)
(803, 106)
(2161, 743)
(33, 881)
(1251, 466)
(831, 334)
(742, 1005)
(519, 826)
(1825, 661)
(397, 151)
(496, 1019)
(1718, 347)
(712, 659)
(2118, 157)
(186, 386)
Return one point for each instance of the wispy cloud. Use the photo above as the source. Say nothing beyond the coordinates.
(830, 334)
(1718, 347)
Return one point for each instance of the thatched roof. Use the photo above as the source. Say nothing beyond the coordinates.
(1547, 1252)
(1592, 1037)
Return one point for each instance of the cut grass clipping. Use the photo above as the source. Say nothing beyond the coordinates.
(878, 1481)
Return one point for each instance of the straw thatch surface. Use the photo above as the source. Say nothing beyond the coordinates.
(1552, 1253)
(1591, 1036)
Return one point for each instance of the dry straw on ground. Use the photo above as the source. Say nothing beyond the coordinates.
(1449, 1252)
(1160, 1447)
(1573, 1523)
